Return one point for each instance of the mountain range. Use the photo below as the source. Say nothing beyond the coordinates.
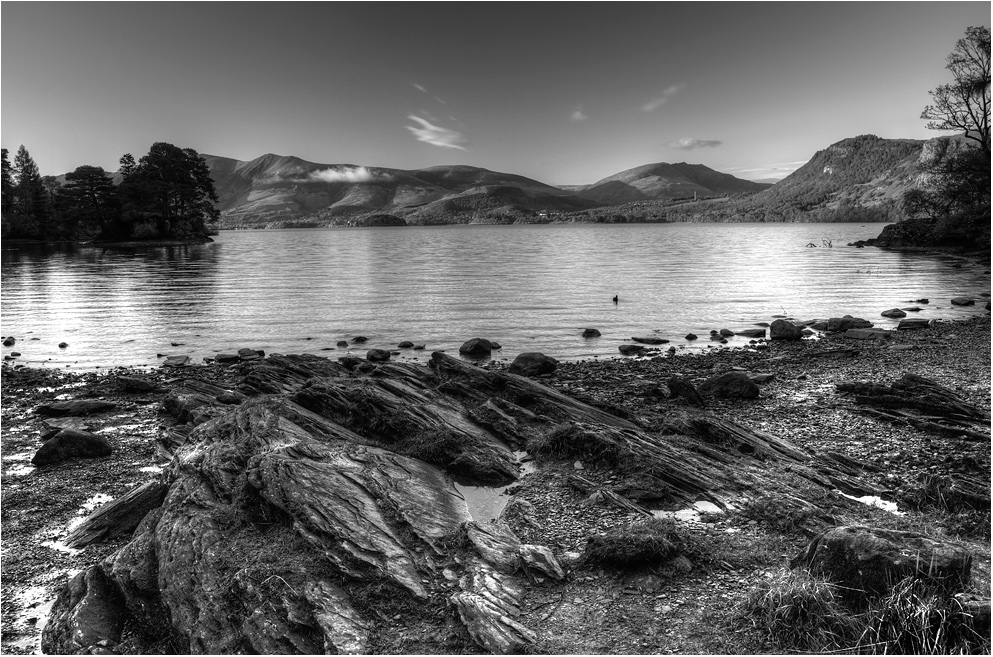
(856, 179)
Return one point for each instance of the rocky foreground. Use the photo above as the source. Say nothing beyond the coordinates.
(291, 504)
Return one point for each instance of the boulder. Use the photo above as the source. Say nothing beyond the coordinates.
(631, 349)
(868, 560)
(533, 363)
(727, 333)
(591, 333)
(89, 613)
(782, 329)
(250, 354)
(406, 344)
(963, 301)
(894, 313)
(913, 323)
(227, 358)
(359, 339)
(63, 345)
(135, 384)
(69, 443)
(377, 355)
(752, 333)
(650, 340)
(730, 385)
(75, 407)
(9, 342)
(342, 343)
(690, 336)
(840, 324)
(476, 347)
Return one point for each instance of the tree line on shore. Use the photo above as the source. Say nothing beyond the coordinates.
(166, 194)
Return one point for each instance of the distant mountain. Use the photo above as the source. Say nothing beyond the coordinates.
(277, 190)
(664, 181)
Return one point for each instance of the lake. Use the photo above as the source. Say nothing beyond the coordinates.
(529, 287)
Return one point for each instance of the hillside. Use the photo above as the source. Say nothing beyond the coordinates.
(280, 190)
(662, 181)
(856, 179)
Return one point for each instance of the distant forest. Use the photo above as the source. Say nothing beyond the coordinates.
(167, 194)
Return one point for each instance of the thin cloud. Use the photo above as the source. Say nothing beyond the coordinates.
(578, 115)
(423, 89)
(658, 102)
(348, 175)
(435, 134)
(691, 143)
(419, 87)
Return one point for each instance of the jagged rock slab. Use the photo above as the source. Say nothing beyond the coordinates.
(118, 517)
(75, 407)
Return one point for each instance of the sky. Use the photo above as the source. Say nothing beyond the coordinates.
(562, 92)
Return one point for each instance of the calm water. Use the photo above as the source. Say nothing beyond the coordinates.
(531, 288)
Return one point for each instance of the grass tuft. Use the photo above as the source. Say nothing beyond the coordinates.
(645, 543)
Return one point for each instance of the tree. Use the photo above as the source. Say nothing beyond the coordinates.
(170, 189)
(30, 206)
(955, 193)
(89, 200)
(964, 105)
(7, 186)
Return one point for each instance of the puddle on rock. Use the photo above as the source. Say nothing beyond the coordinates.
(485, 503)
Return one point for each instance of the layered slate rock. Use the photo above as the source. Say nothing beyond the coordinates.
(289, 522)
(75, 407)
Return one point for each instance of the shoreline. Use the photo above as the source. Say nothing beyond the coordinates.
(799, 404)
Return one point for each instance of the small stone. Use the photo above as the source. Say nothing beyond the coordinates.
(359, 339)
(578, 465)
(963, 301)
(9, 342)
(895, 313)
(691, 336)
(591, 333)
(63, 345)
(342, 343)
(406, 344)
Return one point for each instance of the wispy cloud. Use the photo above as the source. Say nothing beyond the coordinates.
(436, 135)
(691, 143)
(347, 174)
(659, 101)
(578, 115)
(775, 171)
(419, 87)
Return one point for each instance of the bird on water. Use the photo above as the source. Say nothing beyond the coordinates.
(615, 298)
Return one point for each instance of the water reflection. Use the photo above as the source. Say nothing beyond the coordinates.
(532, 288)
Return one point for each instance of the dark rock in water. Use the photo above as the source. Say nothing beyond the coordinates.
(69, 443)
(963, 301)
(690, 336)
(533, 363)
(377, 355)
(591, 333)
(631, 349)
(650, 340)
(418, 347)
(120, 516)
(912, 309)
(840, 324)
(406, 344)
(9, 342)
(681, 387)
(752, 333)
(912, 323)
(731, 385)
(359, 339)
(75, 407)
(495, 345)
(176, 361)
(63, 345)
(250, 354)
(782, 329)
(342, 343)
(924, 301)
(89, 612)
(476, 347)
(868, 560)
(15, 354)
(227, 358)
(136, 384)
(894, 313)
(727, 333)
